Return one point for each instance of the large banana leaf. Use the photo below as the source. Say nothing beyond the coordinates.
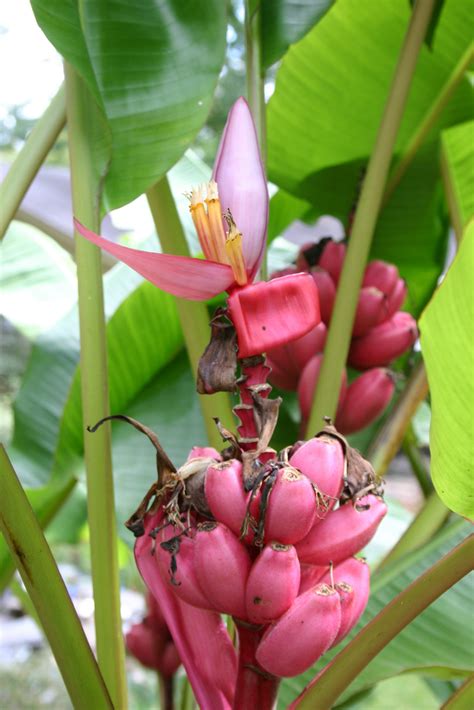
(446, 326)
(152, 68)
(285, 22)
(34, 270)
(438, 641)
(324, 114)
(458, 173)
(332, 86)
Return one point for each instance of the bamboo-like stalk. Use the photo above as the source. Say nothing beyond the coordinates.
(95, 398)
(412, 452)
(193, 315)
(255, 73)
(338, 340)
(428, 121)
(49, 595)
(463, 698)
(427, 522)
(255, 80)
(390, 438)
(326, 688)
(29, 160)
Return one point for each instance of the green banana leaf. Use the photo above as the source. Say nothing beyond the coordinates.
(446, 328)
(285, 22)
(152, 68)
(458, 173)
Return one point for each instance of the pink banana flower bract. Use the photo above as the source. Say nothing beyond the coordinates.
(242, 190)
(265, 314)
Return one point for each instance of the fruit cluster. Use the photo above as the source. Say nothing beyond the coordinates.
(274, 549)
(381, 333)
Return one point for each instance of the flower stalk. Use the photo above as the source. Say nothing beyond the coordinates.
(254, 687)
(339, 335)
(95, 398)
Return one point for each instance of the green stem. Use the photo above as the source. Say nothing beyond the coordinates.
(428, 121)
(45, 507)
(255, 72)
(255, 76)
(49, 595)
(428, 521)
(337, 345)
(21, 174)
(463, 698)
(193, 315)
(95, 398)
(327, 687)
(413, 455)
(389, 439)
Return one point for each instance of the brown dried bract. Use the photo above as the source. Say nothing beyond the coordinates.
(218, 364)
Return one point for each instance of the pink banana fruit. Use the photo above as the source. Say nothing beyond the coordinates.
(288, 360)
(355, 572)
(332, 259)
(222, 565)
(384, 343)
(225, 494)
(366, 399)
(273, 583)
(370, 307)
(322, 460)
(291, 510)
(310, 576)
(396, 299)
(381, 275)
(326, 290)
(177, 566)
(343, 533)
(307, 385)
(302, 634)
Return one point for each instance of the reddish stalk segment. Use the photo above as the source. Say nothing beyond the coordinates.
(254, 687)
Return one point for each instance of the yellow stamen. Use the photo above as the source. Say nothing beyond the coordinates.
(201, 222)
(214, 212)
(233, 247)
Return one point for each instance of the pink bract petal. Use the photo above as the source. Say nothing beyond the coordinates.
(269, 314)
(242, 184)
(196, 279)
(200, 636)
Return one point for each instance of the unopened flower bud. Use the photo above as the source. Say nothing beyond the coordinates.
(302, 634)
(343, 532)
(273, 583)
(222, 568)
